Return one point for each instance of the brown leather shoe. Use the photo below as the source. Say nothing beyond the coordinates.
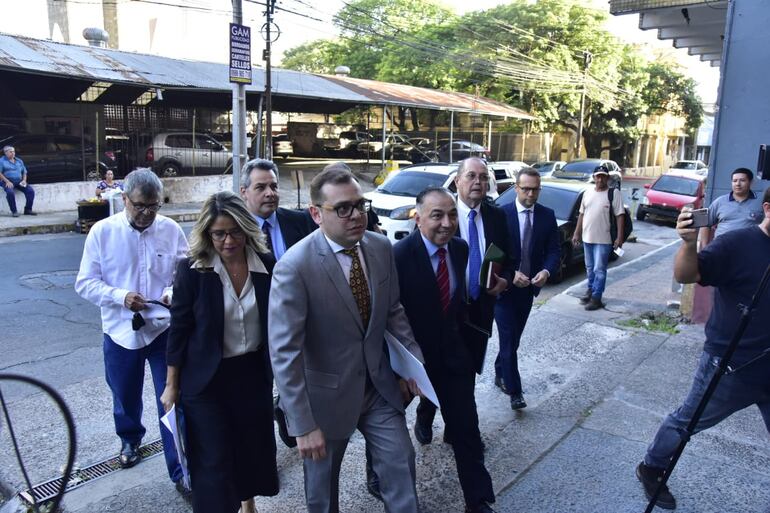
(594, 304)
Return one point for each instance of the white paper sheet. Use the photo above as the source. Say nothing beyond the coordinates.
(406, 365)
(170, 421)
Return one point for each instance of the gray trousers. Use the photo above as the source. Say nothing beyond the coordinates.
(387, 438)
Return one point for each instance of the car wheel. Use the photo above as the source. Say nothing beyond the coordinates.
(641, 213)
(169, 170)
(93, 175)
(564, 260)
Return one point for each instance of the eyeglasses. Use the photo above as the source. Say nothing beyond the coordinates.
(471, 177)
(528, 190)
(141, 207)
(221, 235)
(345, 210)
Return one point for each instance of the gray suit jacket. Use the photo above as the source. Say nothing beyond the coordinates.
(318, 347)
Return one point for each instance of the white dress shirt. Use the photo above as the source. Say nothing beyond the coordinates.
(346, 261)
(118, 259)
(523, 219)
(241, 313)
(463, 212)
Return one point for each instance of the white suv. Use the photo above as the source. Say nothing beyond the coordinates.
(394, 201)
(178, 153)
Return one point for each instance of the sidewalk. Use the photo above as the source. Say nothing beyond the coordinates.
(596, 393)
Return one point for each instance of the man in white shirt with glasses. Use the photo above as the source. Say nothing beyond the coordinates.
(127, 270)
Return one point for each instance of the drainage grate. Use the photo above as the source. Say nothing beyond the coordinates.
(46, 491)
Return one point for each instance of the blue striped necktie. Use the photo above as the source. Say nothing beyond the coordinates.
(474, 258)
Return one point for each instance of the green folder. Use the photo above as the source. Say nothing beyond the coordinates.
(494, 258)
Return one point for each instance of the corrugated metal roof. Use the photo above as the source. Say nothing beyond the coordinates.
(19, 53)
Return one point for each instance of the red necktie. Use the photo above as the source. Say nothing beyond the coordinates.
(442, 277)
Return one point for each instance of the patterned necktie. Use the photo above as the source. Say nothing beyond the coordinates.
(526, 244)
(474, 258)
(358, 286)
(266, 231)
(442, 277)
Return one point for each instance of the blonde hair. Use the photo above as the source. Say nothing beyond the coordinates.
(225, 203)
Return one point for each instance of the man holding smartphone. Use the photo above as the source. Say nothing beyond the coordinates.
(735, 281)
(593, 228)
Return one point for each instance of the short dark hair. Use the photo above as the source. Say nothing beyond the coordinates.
(766, 199)
(431, 190)
(743, 171)
(334, 176)
(529, 171)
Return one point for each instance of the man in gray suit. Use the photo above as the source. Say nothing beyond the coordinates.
(333, 295)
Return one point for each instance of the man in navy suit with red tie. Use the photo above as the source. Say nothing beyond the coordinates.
(535, 253)
(431, 275)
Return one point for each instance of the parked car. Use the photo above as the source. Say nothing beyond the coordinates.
(694, 166)
(422, 150)
(462, 150)
(583, 169)
(669, 193)
(394, 201)
(60, 158)
(396, 146)
(346, 144)
(282, 146)
(178, 153)
(505, 173)
(563, 197)
(547, 167)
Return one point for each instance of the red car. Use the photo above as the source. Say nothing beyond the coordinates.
(669, 193)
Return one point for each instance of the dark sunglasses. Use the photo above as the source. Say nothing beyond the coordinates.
(137, 321)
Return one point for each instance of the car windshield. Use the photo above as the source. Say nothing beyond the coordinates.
(685, 165)
(585, 167)
(561, 201)
(676, 185)
(410, 183)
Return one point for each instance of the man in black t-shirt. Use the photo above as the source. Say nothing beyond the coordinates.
(734, 264)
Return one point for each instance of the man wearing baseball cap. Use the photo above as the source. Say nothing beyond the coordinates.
(593, 228)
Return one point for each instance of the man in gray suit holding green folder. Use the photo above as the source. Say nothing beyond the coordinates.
(332, 297)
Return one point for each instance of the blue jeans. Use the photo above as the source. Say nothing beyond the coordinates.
(596, 257)
(124, 371)
(29, 196)
(731, 395)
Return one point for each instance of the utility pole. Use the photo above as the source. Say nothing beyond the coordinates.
(587, 58)
(239, 97)
(269, 11)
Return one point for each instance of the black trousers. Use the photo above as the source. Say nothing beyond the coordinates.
(230, 439)
(458, 408)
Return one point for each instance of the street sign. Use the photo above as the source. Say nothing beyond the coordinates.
(240, 54)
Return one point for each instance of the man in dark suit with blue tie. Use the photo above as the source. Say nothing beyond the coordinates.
(535, 254)
(283, 227)
(431, 274)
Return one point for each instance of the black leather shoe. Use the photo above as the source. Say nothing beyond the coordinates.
(185, 492)
(650, 477)
(480, 508)
(372, 482)
(29, 213)
(594, 304)
(585, 298)
(423, 433)
(501, 385)
(517, 402)
(283, 430)
(129, 455)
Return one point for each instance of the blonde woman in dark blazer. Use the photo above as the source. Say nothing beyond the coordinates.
(218, 364)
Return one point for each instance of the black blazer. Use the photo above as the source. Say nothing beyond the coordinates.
(197, 323)
(482, 310)
(545, 248)
(439, 336)
(295, 225)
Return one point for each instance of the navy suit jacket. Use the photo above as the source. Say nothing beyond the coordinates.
(545, 240)
(295, 225)
(197, 323)
(439, 336)
(482, 311)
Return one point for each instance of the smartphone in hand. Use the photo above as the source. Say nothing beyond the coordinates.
(700, 218)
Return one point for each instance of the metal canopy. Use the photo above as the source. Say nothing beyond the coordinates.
(206, 83)
(697, 25)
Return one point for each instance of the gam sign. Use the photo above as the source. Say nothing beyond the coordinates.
(240, 54)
